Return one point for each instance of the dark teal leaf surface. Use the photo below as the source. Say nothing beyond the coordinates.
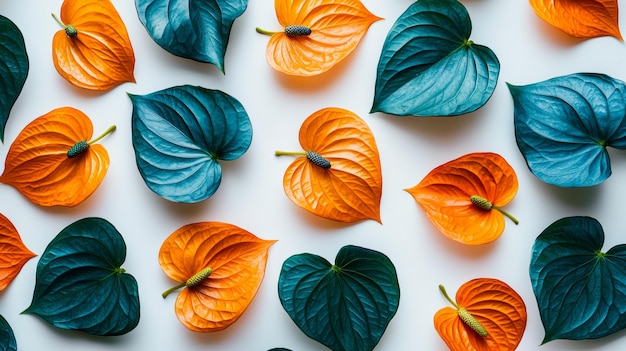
(428, 65)
(563, 126)
(7, 338)
(179, 136)
(80, 284)
(580, 290)
(193, 29)
(346, 306)
(13, 68)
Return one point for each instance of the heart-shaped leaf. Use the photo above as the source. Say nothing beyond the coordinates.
(7, 338)
(221, 267)
(345, 306)
(338, 176)
(317, 35)
(564, 124)
(463, 198)
(93, 50)
(53, 162)
(80, 283)
(580, 18)
(580, 290)
(193, 29)
(13, 68)
(428, 65)
(488, 315)
(180, 134)
(13, 253)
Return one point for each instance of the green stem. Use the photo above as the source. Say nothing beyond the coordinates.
(174, 288)
(106, 132)
(59, 21)
(263, 31)
(290, 153)
(445, 294)
(510, 216)
(191, 282)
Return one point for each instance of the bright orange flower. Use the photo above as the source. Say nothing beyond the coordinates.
(13, 253)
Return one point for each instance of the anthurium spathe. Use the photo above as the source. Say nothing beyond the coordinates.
(93, 50)
(316, 35)
(338, 176)
(219, 267)
(463, 198)
(488, 315)
(13, 253)
(54, 161)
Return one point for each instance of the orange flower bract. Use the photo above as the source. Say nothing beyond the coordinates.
(13, 253)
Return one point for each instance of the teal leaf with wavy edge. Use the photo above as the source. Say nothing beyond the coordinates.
(7, 338)
(345, 306)
(80, 284)
(580, 290)
(181, 133)
(429, 67)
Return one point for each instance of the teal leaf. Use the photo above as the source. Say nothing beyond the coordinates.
(193, 29)
(80, 284)
(346, 306)
(7, 338)
(580, 290)
(13, 68)
(563, 126)
(180, 134)
(428, 65)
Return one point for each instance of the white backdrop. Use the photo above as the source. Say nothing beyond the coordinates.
(251, 194)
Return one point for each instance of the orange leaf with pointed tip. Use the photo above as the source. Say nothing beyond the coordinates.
(13, 253)
(580, 18)
(93, 51)
(333, 29)
(220, 266)
(491, 303)
(40, 163)
(464, 197)
(350, 187)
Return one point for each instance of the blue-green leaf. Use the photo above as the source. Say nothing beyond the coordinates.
(428, 65)
(563, 126)
(13, 68)
(179, 136)
(580, 290)
(7, 338)
(346, 306)
(193, 29)
(80, 284)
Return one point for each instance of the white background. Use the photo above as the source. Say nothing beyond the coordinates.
(251, 194)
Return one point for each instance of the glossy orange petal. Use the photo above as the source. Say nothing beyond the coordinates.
(38, 166)
(13, 253)
(446, 193)
(350, 190)
(337, 27)
(100, 56)
(580, 18)
(493, 304)
(236, 259)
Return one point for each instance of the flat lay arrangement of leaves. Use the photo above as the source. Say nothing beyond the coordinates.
(186, 140)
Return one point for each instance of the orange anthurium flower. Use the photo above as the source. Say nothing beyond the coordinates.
(220, 267)
(93, 51)
(580, 18)
(459, 197)
(338, 176)
(488, 315)
(13, 253)
(51, 161)
(317, 34)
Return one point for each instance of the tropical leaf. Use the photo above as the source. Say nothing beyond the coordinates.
(428, 65)
(80, 283)
(13, 68)
(193, 29)
(463, 198)
(563, 126)
(181, 133)
(52, 162)
(347, 305)
(580, 290)
(338, 176)
(488, 315)
(13, 253)
(580, 18)
(7, 338)
(317, 34)
(93, 50)
(220, 266)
